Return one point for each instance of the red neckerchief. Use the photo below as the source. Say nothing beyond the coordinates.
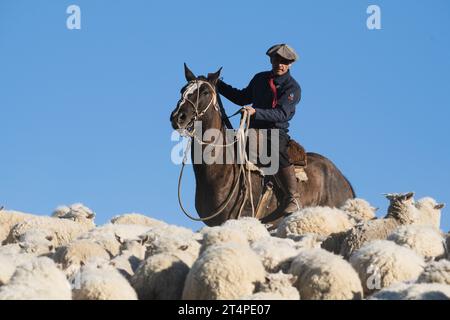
(274, 90)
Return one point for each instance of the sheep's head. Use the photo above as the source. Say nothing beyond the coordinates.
(429, 203)
(38, 242)
(402, 207)
(308, 240)
(276, 283)
(60, 211)
(135, 247)
(76, 212)
(430, 211)
(359, 210)
(400, 197)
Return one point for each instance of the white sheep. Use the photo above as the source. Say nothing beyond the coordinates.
(139, 219)
(401, 211)
(323, 275)
(275, 253)
(425, 211)
(252, 227)
(382, 263)
(100, 281)
(160, 277)
(78, 253)
(77, 212)
(278, 284)
(8, 219)
(108, 235)
(177, 240)
(37, 241)
(132, 252)
(217, 235)
(359, 210)
(415, 291)
(436, 272)
(38, 279)
(323, 221)
(63, 231)
(424, 240)
(225, 271)
(356, 237)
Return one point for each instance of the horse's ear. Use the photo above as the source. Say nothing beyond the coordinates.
(213, 77)
(188, 74)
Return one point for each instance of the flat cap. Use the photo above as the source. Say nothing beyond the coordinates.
(284, 51)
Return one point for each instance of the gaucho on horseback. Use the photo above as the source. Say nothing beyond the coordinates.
(240, 189)
(273, 95)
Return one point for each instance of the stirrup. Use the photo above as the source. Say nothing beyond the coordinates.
(297, 204)
(290, 200)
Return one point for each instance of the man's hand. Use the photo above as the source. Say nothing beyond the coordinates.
(251, 111)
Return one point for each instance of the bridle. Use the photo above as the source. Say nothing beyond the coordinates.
(189, 130)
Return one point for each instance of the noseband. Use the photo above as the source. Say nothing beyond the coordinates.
(195, 85)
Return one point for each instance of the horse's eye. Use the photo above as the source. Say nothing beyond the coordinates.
(205, 93)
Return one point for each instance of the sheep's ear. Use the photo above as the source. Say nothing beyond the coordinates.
(389, 196)
(376, 209)
(91, 216)
(408, 196)
(144, 239)
(188, 74)
(119, 238)
(439, 206)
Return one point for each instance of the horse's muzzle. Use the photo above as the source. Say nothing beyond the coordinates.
(179, 120)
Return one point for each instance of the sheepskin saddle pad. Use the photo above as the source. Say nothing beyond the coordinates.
(296, 154)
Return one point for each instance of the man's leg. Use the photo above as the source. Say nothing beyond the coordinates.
(286, 176)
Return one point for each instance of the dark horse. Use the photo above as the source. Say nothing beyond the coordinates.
(326, 185)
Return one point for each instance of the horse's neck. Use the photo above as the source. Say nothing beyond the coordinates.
(217, 170)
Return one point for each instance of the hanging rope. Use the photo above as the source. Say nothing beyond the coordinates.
(241, 139)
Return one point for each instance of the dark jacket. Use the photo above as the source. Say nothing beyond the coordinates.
(259, 93)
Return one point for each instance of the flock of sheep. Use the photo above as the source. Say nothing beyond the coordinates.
(316, 253)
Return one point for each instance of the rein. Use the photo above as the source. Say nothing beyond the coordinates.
(242, 135)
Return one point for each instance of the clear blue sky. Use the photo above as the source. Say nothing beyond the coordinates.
(85, 113)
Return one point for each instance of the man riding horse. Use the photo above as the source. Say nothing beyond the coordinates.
(273, 95)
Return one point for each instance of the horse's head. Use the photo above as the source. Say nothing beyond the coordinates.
(198, 100)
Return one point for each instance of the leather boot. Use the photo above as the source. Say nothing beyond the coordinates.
(288, 180)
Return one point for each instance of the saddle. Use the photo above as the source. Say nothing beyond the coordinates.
(296, 153)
